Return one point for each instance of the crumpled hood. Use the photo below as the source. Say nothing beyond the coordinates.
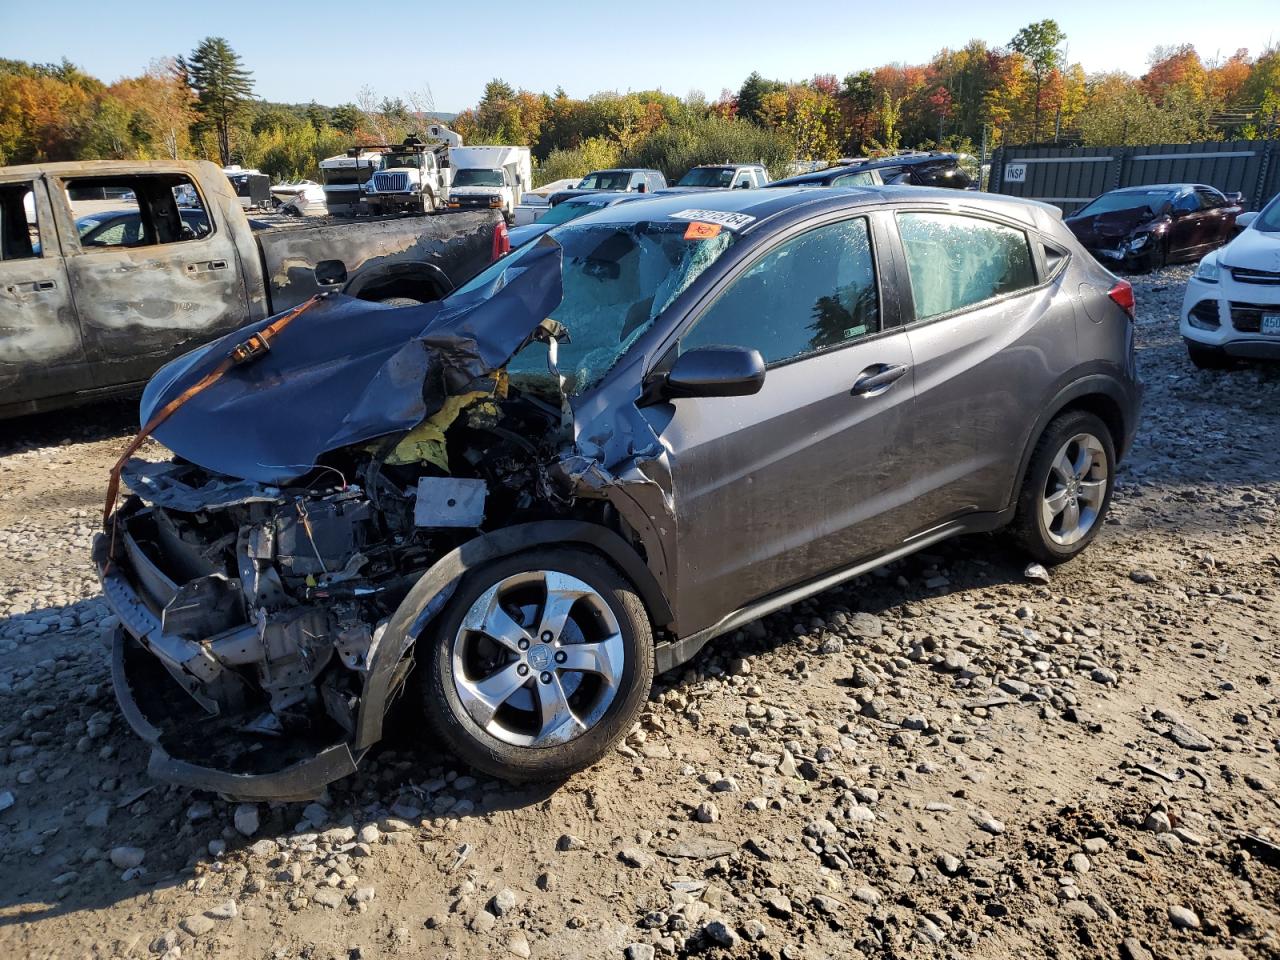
(347, 371)
(1111, 225)
(519, 236)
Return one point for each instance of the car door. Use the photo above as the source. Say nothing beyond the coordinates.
(1187, 232)
(988, 341)
(41, 353)
(148, 294)
(810, 474)
(1218, 222)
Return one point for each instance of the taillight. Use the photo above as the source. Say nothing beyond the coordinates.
(501, 241)
(1122, 295)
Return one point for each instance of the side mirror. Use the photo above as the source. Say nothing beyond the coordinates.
(1244, 219)
(1234, 197)
(642, 188)
(715, 372)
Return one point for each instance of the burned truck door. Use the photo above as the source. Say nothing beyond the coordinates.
(159, 283)
(41, 354)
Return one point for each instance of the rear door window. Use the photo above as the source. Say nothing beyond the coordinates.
(139, 210)
(811, 293)
(19, 231)
(1209, 199)
(957, 261)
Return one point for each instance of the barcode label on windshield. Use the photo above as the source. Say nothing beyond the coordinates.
(734, 221)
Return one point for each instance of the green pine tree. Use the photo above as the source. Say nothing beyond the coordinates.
(223, 88)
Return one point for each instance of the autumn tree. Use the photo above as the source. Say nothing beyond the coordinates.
(1175, 70)
(1039, 43)
(223, 88)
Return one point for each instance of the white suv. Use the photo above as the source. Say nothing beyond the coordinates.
(1231, 309)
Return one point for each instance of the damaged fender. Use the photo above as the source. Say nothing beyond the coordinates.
(433, 591)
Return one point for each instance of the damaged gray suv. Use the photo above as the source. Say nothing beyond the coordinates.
(657, 423)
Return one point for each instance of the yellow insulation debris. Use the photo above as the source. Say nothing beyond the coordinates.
(425, 442)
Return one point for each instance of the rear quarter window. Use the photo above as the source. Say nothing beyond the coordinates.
(956, 261)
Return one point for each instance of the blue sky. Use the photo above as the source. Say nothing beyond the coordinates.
(326, 51)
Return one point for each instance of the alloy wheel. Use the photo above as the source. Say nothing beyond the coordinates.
(1075, 489)
(538, 659)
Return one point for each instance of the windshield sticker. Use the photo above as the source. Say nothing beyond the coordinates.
(734, 221)
(697, 230)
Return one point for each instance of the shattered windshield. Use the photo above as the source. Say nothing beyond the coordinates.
(617, 278)
(1151, 200)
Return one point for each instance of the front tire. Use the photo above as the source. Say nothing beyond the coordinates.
(540, 663)
(1207, 358)
(1067, 489)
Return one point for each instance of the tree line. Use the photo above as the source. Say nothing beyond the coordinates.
(203, 105)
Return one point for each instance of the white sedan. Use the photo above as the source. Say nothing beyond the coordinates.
(1231, 310)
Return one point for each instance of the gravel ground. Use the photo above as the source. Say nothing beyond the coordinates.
(944, 759)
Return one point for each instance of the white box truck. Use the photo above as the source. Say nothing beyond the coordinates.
(344, 178)
(490, 177)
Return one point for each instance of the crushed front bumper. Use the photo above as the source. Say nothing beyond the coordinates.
(156, 677)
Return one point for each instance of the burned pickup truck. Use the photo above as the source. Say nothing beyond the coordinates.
(104, 277)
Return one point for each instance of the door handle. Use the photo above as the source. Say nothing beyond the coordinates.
(206, 266)
(877, 378)
(33, 286)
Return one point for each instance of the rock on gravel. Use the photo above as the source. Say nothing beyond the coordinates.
(126, 858)
(246, 819)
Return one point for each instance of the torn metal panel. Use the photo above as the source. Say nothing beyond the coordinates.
(165, 484)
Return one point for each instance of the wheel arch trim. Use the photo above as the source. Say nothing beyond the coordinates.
(1102, 394)
(429, 596)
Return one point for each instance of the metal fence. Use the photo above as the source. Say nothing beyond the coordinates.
(1069, 177)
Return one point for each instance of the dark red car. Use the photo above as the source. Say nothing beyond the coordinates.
(1143, 228)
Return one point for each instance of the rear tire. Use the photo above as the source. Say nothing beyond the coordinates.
(401, 302)
(1067, 490)
(507, 699)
